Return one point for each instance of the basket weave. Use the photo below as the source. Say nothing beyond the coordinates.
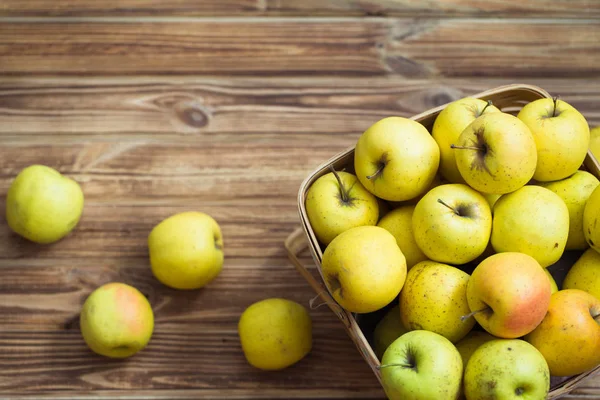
(509, 98)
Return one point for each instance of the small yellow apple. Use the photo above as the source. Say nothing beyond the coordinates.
(585, 274)
(186, 250)
(364, 269)
(387, 330)
(591, 216)
(275, 333)
(595, 142)
(491, 199)
(434, 298)
(471, 342)
(553, 286)
(42, 205)
(116, 320)
(399, 223)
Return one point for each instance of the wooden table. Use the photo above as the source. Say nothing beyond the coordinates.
(224, 106)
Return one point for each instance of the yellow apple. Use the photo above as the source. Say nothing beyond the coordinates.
(471, 342)
(434, 298)
(42, 205)
(591, 216)
(116, 320)
(399, 223)
(553, 286)
(364, 269)
(595, 142)
(186, 250)
(562, 137)
(491, 199)
(452, 224)
(508, 294)
(532, 220)
(585, 274)
(275, 333)
(387, 330)
(496, 153)
(396, 159)
(448, 126)
(336, 202)
(575, 191)
(569, 335)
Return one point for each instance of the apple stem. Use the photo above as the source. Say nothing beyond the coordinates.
(395, 365)
(381, 167)
(453, 146)
(469, 315)
(554, 100)
(597, 318)
(489, 103)
(343, 191)
(452, 208)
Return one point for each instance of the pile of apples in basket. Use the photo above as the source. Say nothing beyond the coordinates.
(453, 230)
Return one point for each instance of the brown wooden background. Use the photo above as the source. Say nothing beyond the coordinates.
(224, 106)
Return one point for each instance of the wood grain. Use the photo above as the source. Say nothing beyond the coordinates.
(311, 8)
(408, 47)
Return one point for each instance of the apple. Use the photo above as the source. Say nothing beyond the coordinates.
(496, 153)
(585, 274)
(387, 330)
(434, 298)
(508, 294)
(116, 320)
(399, 223)
(506, 369)
(42, 205)
(396, 159)
(336, 202)
(491, 199)
(186, 250)
(575, 192)
(452, 224)
(421, 365)
(471, 342)
(569, 335)
(591, 215)
(595, 142)
(448, 126)
(562, 137)
(364, 269)
(532, 220)
(553, 285)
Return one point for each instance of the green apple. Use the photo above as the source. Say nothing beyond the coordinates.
(364, 269)
(595, 142)
(553, 285)
(474, 339)
(506, 369)
(448, 126)
(575, 192)
(116, 320)
(434, 298)
(452, 224)
(421, 365)
(591, 215)
(532, 220)
(585, 274)
(396, 159)
(562, 137)
(399, 223)
(508, 294)
(496, 153)
(336, 202)
(569, 335)
(42, 205)
(387, 330)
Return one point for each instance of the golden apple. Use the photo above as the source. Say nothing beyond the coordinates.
(532, 220)
(496, 153)
(471, 342)
(591, 216)
(575, 192)
(434, 298)
(399, 223)
(387, 330)
(364, 269)
(569, 335)
(562, 137)
(595, 142)
(448, 126)
(553, 285)
(585, 274)
(336, 202)
(396, 159)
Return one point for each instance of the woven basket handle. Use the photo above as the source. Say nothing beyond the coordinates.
(295, 244)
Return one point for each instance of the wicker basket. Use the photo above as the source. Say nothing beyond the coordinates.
(510, 98)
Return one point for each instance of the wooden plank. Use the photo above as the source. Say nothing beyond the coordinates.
(286, 112)
(254, 8)
(408, 47)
